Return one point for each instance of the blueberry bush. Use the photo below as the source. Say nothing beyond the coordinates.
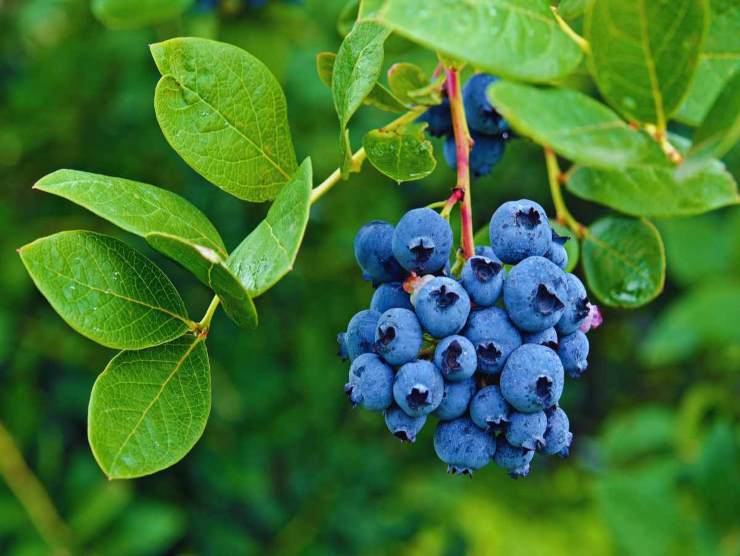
(623, 112)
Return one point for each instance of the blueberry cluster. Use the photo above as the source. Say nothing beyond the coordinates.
(488, 128)
(485, 353)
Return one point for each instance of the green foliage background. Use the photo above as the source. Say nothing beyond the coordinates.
(285, 466)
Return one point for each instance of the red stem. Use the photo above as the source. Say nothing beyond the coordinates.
(463, 144)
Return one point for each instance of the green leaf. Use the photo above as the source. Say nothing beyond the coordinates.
(624, 261)
(652, 189)
(148, 408)
(571, 246)
(720, 129)
(131, 14)
(380, 97)
(718, 61)
(106, 290)
(347, 17)
(235, 299)
(142, 210)
(519, 39)
(572, 9)
(406, 80)
(268, 253)
(356, 70)
(403, 154)
(225, 114)
(703, 319)
(644, 53)
(571, 123)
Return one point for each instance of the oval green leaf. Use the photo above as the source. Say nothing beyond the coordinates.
(268, 253)
(403, 154)
(571, 123)
(225, 114)
(652, 189)
(106, 290)
(718, 61)
(235, 299)
(148, 408)
(142, 210)
(644, 53)
(519, 39)
(624, 261)
(131, 14)
(407, 80)
(720, 129)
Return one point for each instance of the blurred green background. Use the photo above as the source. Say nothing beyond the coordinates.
(285, 466)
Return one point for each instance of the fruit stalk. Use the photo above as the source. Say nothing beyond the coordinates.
(562, 213)
(463, 145)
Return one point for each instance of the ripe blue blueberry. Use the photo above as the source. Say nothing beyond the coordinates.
(360, 336)
(489, 409)
(374, 253)
(557, 435)
(439, 118)
(422, 241)
(494, 337)
(390, 296)
(527, 430)
(342, 342)
(483, 279)
(514, 460)
(370, 383)
(532, 379)
(401, 425)
(480, 114)
(519, 229)
(486, 153)
(547, 337)
(557, 253)
(573, 353)
(456, 398)
(442, 306)
(418, 388)
(535, 294)
(485, 251)
(398, 336)
(455, 357)
(463, 446)
(576, 306)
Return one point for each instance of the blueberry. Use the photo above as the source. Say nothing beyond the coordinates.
(439, 118)
(418, 388)
(483, 279)
(494, 338)
(527, 430)
(401, 425)
(342, 342)
(390, 296)
(398, 336)
(535, 294)
(519, 229)
(374, 253)
(547, 337)
(486, 153)
(481, 115)
(442, 306)
(485, 251)
(422, 241)
(573, 353)
(360, 336)
(489, 409)
(556, 252)
(557, 435)
(455, 400)
(576, 306)
(514, 460)
(463, 446)
(532, 379)
(370, 383)
(455, 357)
